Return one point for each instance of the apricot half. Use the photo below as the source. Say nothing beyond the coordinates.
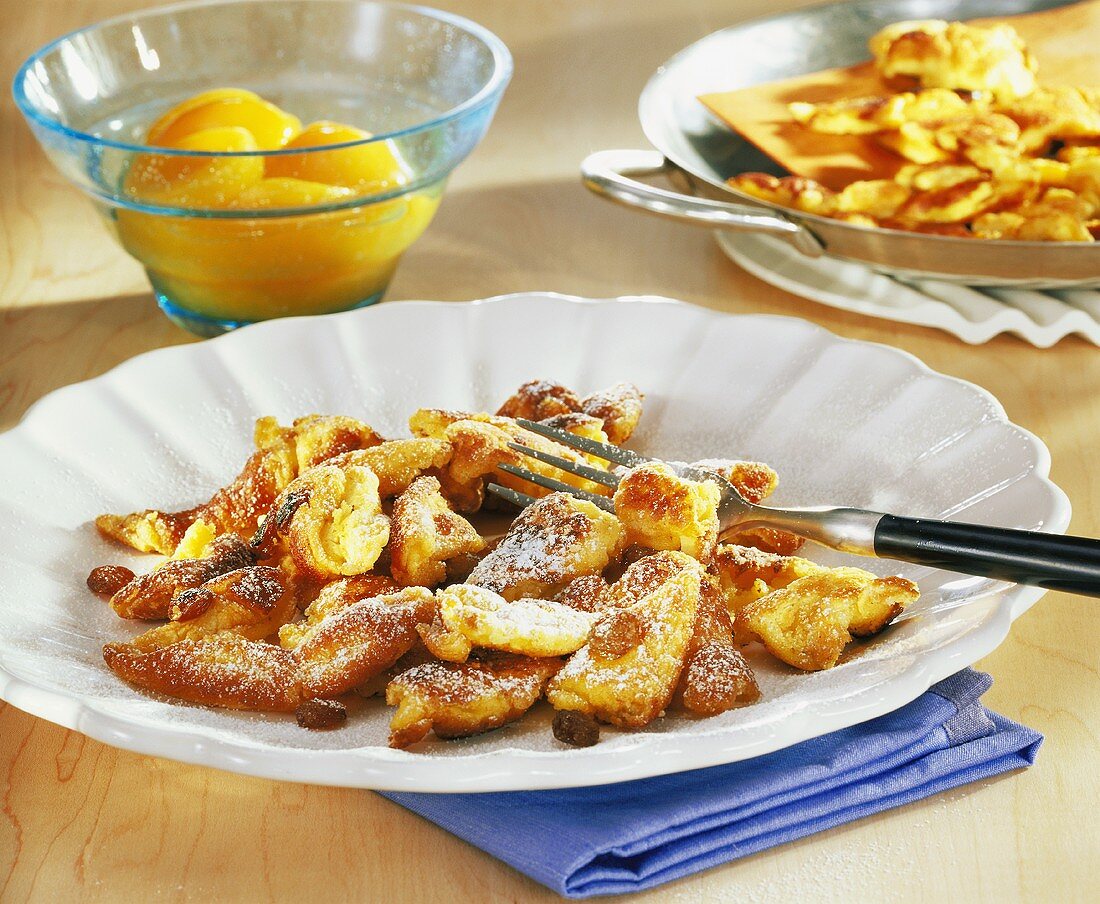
(366, 168)
(285, 192)
(202, 181)
(270, 127)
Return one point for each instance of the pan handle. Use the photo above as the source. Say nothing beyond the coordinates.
(608, 173)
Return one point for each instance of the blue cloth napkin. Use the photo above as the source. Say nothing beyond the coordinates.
(634, 835)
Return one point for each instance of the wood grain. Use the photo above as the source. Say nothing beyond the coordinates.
(82, 820)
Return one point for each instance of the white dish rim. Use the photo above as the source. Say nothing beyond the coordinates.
(931, 312)
(518, 769)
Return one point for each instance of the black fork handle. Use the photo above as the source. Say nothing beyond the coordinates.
(1053, 561)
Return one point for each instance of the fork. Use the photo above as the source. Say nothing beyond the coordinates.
(1053, 561)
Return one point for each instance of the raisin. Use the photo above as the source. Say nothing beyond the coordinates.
(193, 603)
(277, 522)
(109, 579)
(228, 553)
(575, 729)
(294, 501)
(616, 634)
(318, 715)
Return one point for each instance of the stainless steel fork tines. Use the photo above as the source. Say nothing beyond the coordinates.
(1026, 557)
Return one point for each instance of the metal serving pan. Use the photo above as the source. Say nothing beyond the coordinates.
(699, 154)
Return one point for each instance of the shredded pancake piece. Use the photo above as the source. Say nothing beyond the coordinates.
(536, 400)
(956, 55)
(643, 576)
(443, 642)
(553, 541)
(808, 623)
(151, 595)
(755, 482)
(252, 602)
(480, 446)
(359, 641)
(282, 453)
(588, 593)
(617, 408)
(399, 462)
(478, 449)
(225, 670)
(316, 438)
(716, 676)
(332, 520)
(425, 534)
(745, 574)
(633, 688)
(531, 627)
(458, 700)
(331, 598)
(665, 512)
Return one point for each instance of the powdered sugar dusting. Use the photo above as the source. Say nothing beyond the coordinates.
(873, 429)
(541, 550)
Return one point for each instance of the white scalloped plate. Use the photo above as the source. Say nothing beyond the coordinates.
(973, 313)
(842, 421)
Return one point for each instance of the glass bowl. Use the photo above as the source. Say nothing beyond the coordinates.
(424, 83)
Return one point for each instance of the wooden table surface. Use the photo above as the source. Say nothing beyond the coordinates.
(82, 819)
